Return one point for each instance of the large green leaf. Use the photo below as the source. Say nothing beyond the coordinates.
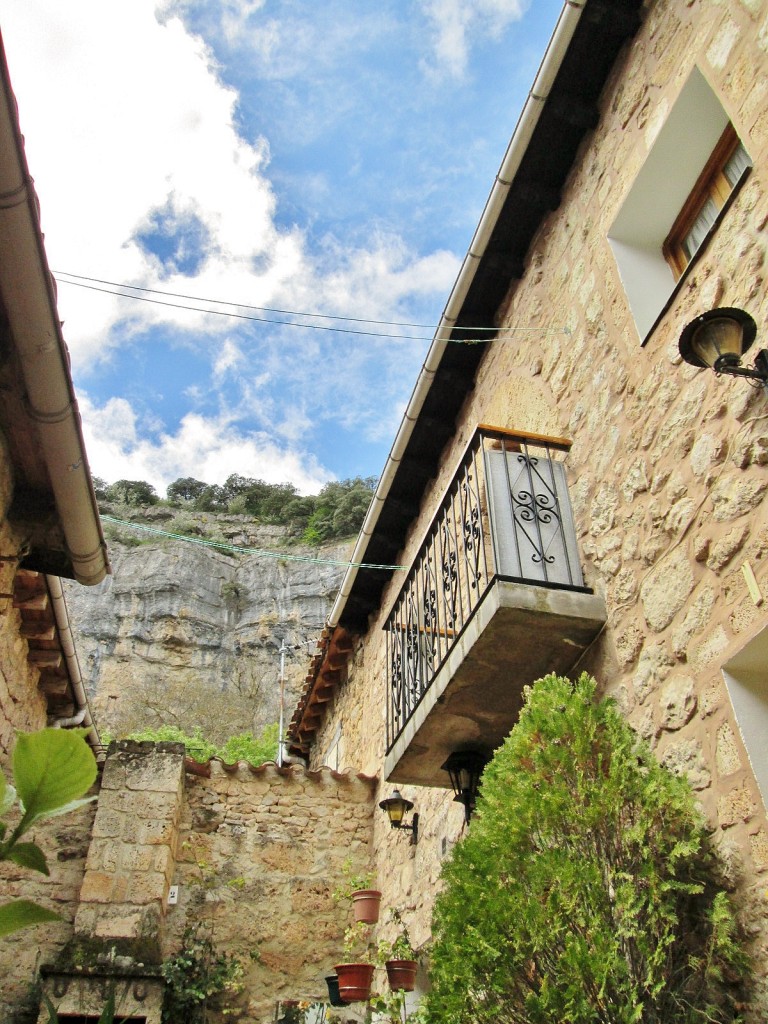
(51, 769)
(22, 914)
(29, 855)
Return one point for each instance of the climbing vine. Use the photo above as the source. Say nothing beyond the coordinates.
(196, 975)
(585, 891)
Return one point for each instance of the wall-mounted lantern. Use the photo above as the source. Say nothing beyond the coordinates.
(718, 339)
(397, 807)
(465, 768)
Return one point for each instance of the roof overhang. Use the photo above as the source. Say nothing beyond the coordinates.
(53, 506)
(562, 107)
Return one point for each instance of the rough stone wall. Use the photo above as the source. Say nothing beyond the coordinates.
(65, 842)
(22, 706)
(256, 853)
(132, 855)
(668, 468)
(261, 853)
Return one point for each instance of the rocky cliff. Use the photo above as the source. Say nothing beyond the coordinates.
(190, 635)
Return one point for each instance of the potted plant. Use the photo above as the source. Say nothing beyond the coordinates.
(356, 888)
(356, 975)
(399, 958)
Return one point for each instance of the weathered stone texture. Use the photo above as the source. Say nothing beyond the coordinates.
(667, 469)
(132, 859)
(22, 705)
(64, 841)
(264, 869)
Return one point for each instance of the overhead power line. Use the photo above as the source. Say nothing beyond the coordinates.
(238, 550)
(144, 294)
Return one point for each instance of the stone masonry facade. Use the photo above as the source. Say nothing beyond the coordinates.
(256, 854)
(667, 472)
(22, 705)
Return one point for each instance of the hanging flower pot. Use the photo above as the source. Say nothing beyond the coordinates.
(355, 981)
(401, 974)
(334, 997)
(365, 905)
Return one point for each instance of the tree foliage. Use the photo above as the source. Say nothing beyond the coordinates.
(132, 492)
(337, 511)
(585, 890)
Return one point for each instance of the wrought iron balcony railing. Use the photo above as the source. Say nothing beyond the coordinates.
(506, 516)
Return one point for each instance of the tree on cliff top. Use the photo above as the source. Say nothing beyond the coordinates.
(585, 891)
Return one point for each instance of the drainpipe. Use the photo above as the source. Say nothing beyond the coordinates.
(30, 301)
(529, 117)
(82, 715)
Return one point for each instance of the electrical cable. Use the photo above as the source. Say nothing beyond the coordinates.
(94, 283)
(237, 549)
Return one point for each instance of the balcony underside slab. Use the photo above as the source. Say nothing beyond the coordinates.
(518, 634)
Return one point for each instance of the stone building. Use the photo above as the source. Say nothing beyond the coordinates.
(632, 199)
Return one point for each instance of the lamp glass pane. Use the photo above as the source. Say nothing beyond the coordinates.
(718, 337)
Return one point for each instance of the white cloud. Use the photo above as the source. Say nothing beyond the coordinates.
(130, 130)
(457, 26)
(208, 449)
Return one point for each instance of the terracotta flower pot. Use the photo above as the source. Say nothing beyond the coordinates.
(365, 905)
(355, 981)
(401, 974)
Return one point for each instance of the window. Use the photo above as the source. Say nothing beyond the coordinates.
(711, 192)
(666, 215)
(746, 676)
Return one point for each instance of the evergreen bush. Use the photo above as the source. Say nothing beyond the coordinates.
(585, 890)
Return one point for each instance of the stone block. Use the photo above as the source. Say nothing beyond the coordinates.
(685, 757)
(708, 651)
(666, 589)
(735, 806)
(677, 703)
(98, 887)
(727, 754)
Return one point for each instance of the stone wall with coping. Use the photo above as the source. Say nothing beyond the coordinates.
(668, 468)
(261, 853)
(132, 856)
(257, 854)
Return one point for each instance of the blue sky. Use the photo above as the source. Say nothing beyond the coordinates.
(326, 158)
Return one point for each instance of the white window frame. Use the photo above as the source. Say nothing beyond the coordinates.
(677, 157)
(746, 677)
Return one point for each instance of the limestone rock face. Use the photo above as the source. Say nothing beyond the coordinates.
(186, 634)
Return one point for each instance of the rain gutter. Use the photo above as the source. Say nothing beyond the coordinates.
(529, 117)
(29, 297)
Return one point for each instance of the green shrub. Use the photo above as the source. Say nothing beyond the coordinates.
(197, 746)
(254, 749)
(585, 890)
(241, 747)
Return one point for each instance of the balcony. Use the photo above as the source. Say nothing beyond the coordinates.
(494, 600)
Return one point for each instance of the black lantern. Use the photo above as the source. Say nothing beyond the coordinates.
(465, 768)
(718, 339)
(397, 807)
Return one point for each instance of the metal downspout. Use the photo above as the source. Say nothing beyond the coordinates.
(82, 715)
